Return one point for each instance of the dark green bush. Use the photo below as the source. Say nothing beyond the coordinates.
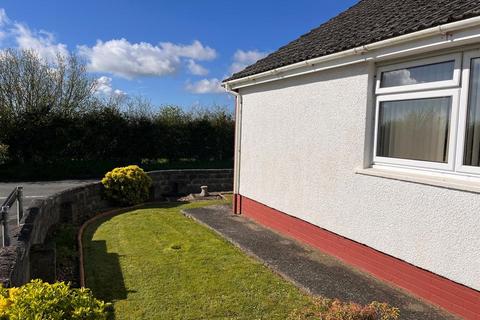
(3, 153)
(110, 135)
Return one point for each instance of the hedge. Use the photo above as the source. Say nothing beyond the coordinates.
(109, 136)
(57, 117)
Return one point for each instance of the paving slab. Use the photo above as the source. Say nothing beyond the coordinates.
(309, 268)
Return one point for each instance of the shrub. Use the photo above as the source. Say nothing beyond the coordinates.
(3, 153)
(328, 309)
(127, 185)
(41, 300)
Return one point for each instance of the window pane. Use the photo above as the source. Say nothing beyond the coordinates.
(471, 156)
(421, 74)
(414, 129)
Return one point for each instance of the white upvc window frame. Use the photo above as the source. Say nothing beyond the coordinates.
(459, 90)
(434, 85)
(463, 112)
(450, 165)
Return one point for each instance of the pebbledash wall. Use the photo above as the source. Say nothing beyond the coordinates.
(77, 205)
(302, 139)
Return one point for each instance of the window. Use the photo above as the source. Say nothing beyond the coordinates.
(433, 73)
(471, 155)
(428, 114)
(415, 129)
(468, 154)
(441, 71)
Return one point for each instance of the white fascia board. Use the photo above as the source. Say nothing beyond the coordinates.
(446, 36)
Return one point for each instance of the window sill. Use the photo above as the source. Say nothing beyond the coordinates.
(440, 180)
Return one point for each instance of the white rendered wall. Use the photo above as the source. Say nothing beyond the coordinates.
(303, 137)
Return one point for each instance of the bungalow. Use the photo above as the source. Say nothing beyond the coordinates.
(362, 138)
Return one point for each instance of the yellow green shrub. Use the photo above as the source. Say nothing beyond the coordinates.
(40, 300)
(334, 309)
(127, 185)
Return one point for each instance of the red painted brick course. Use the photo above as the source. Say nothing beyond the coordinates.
(454, 297)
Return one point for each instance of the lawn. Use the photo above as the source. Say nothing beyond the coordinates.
(154, 263)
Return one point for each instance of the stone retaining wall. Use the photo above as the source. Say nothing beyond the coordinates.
(79, 204)
(173, 182)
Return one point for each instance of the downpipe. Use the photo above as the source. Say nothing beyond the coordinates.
(237, 145)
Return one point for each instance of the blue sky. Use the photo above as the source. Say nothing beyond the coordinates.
(172, 52)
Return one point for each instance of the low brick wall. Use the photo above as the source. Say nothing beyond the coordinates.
(79, 204)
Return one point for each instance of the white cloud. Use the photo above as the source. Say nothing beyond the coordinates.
(402, 76)
(42, 42)
(122, 58)
(3, 17)
(196, 69)
(4, 20)
(205, 86)
(196, 50)
(242, 59)
(117, 56)
(130, 60)
(103, 85)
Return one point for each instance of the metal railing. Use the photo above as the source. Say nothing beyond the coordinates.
(16, 196)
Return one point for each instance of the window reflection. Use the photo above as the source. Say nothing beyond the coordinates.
(416, 75)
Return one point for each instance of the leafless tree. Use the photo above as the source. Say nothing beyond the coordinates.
(32, 85)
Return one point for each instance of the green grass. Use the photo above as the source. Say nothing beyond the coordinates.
(157, 264)
(228, 197)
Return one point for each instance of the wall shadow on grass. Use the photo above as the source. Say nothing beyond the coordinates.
(103, 271)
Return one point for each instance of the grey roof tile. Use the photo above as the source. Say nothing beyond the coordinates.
(366, 22)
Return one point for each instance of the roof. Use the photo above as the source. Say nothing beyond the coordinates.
(366, 22)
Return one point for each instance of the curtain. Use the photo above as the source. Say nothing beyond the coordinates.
(414, 129)
(472, 134)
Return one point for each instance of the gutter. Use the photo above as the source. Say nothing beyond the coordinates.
(444, 29)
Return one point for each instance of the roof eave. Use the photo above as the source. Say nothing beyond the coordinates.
(276, 73)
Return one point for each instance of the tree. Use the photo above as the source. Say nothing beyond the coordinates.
(34, 86)
(37, 95)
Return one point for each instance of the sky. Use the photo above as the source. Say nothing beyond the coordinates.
(170, 52)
